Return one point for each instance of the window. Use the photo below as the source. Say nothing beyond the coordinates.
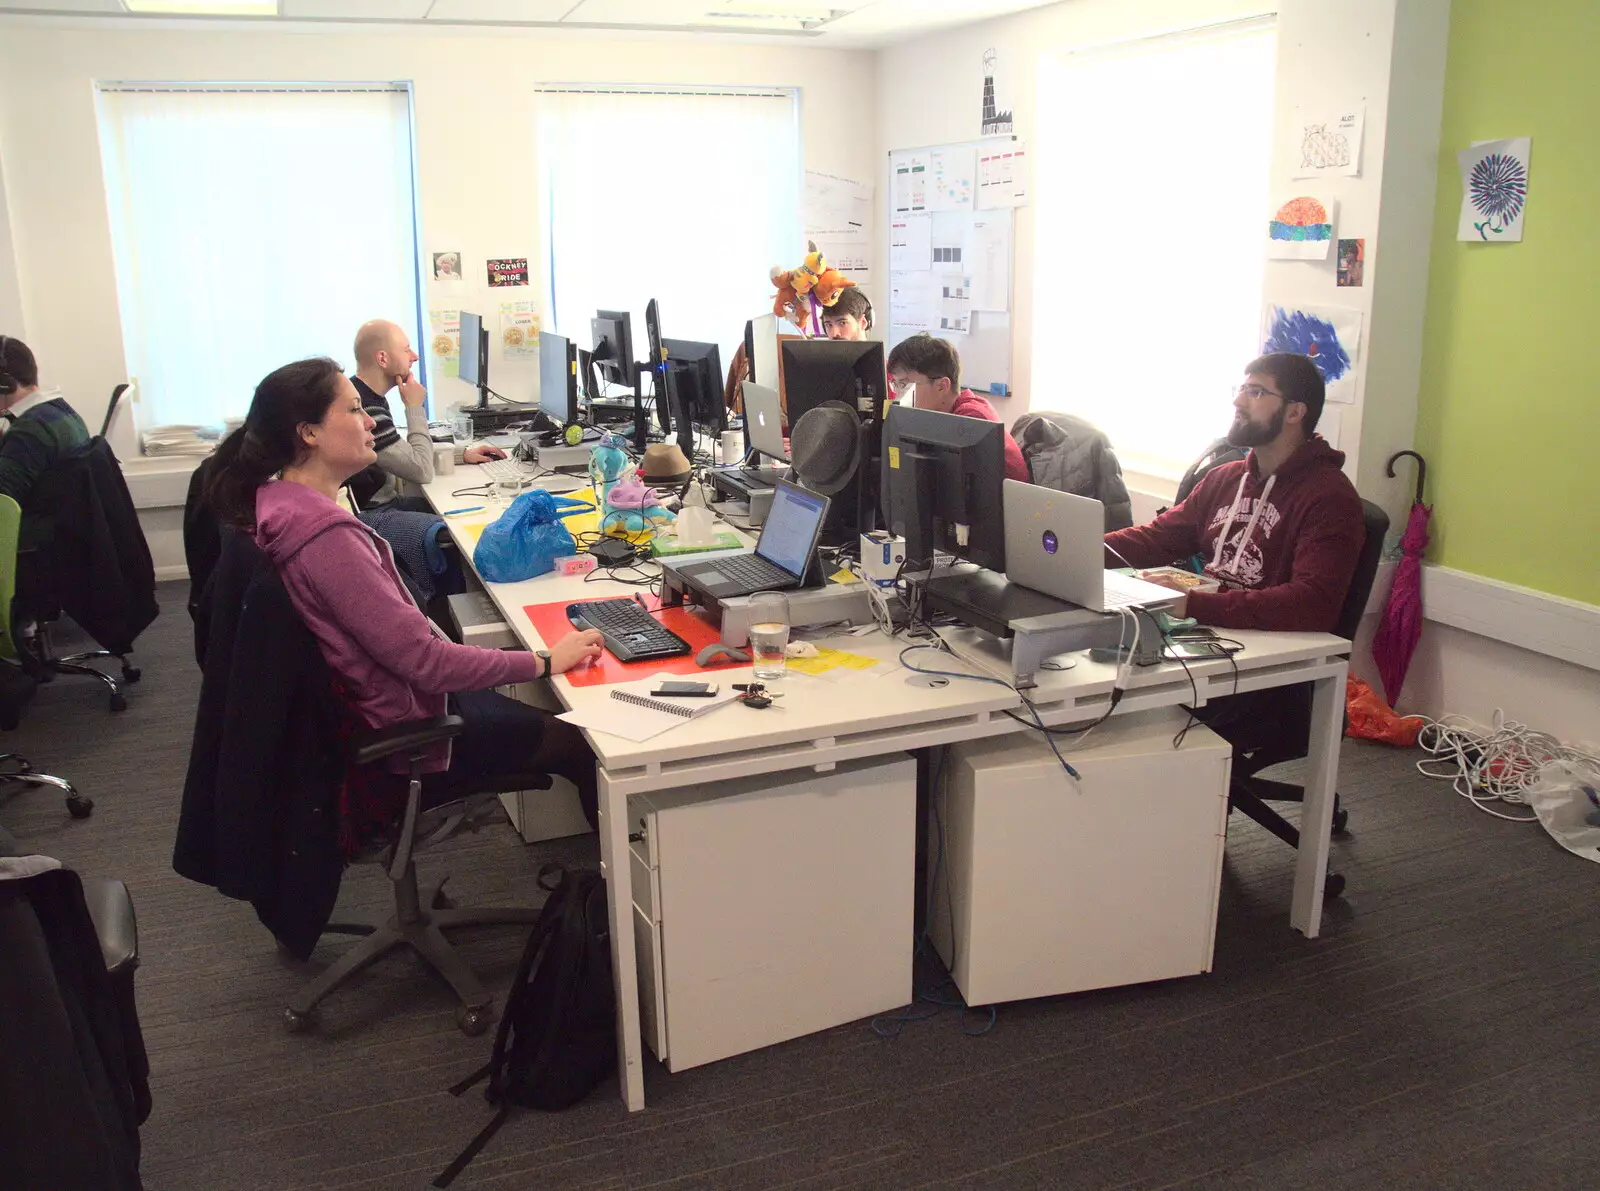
(1151, 179)
(252, 227)
(686, 197)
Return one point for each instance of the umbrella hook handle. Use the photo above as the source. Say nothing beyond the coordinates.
(1422, 469)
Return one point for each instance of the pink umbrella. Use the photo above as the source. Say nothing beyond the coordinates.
(1397, 635)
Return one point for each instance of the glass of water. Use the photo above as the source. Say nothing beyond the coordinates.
(769, 633)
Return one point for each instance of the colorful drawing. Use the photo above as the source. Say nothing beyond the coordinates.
(1494, 190)
(1305, 334)
(1352, 263)
(1301, 229)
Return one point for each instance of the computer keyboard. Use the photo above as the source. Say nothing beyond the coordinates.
(507, 473)
(752, 571)
(630, 633)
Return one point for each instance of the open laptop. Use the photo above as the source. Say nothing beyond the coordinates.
(1054, 544)
(782, 555)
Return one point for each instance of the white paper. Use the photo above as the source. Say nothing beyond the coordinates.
(848, 251)
(910, 243)
(987, 256)
(1494, 190)
(953, 177)
(996, 106)
(1329, 335)
(955, 305)
(1330, 142)
(949, 246)
(632, 721)
(910, 172)
(831, 203)
(914, 301)
(1302, 227)
(1003, 177)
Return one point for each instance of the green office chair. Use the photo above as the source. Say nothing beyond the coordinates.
(14, 768)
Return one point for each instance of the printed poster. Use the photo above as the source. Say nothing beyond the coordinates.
(1003, 177)
(447, 266)
(510, 270)
(519, 331)
(444, 341)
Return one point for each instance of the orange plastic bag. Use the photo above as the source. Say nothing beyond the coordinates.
(1368, 717)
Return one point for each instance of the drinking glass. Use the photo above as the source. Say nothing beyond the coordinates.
(769, 633)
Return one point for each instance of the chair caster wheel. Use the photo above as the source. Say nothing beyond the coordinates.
(1333, 885)
(474, 1020)
(119, 702)
(131, 673)
(296, 1022)
(1341, 820)
(78, 806)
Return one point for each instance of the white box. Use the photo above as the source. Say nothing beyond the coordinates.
(1056, 886)
(768, 908)
(540, 815)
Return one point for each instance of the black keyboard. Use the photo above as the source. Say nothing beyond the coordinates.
(631, 633)
(753, 572)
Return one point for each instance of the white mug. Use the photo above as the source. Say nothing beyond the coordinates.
(444, 459)
(732, 447)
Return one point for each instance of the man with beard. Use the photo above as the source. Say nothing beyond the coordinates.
(1281, 529)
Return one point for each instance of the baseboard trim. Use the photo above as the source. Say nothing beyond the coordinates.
(171, 572)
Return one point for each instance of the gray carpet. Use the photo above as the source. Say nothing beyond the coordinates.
(1440, 1033)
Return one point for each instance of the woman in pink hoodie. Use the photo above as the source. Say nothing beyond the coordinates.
(278, 477)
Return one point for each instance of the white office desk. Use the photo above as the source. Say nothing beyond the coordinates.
(819, 723)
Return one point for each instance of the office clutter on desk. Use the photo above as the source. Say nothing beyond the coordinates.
(633, 714)
(527, 538)
(631, 633)
(550, 622)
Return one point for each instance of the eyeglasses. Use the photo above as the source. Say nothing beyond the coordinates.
(1254, 392)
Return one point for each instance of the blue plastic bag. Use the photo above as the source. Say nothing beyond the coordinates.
(527, 538)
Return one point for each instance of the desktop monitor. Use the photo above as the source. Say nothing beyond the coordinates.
(558, 378)
(613, 346)
(694, 370)
(942, 472)
(474, 358)
(814, 372)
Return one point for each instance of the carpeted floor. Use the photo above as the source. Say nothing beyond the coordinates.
(1440, 1033)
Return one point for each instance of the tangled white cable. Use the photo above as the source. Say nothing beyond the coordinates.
(1494, 766)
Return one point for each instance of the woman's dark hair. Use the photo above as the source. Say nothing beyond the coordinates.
(295, 395)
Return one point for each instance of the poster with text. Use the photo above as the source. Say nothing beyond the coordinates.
(1002, 176)
(910, 172)
(1330, 142)
(444, 341)
(519, 331)
(508, 270)
(1494, 190)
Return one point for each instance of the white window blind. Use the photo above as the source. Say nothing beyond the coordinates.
(252, 227)
(689, 197)
(1151, 182)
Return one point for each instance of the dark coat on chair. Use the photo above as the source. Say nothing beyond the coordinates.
(1072, 455)
(202, 543)
(260, 812)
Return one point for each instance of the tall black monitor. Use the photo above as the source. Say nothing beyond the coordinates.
(694, 370)
(813, 372)
(558, 378)
(613, 346)
(943, 476)
(474, 358)
(656, 363)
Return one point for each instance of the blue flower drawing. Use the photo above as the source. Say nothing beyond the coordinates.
(1307, 335)
(1497, 188)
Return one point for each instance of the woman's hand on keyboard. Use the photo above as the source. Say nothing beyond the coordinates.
(576, 648)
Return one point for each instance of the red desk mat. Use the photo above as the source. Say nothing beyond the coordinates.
(552, 623)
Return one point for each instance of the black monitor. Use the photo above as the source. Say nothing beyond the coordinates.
(474, 358)
(941, 471)
(613, 346)
(694, 370)
(813, 372)
(558, 378)
(656, 364)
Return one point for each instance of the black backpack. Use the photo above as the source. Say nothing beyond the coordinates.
(557, 1038)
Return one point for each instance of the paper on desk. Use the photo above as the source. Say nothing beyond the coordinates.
(836, 663)
(632, 720)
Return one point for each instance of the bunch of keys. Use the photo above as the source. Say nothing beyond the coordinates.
(755, 694)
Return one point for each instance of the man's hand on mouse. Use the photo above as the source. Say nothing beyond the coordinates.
(481, 453)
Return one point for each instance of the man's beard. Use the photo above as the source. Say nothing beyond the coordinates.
(1244, 433)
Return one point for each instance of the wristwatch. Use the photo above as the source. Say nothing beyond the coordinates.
(544, 656)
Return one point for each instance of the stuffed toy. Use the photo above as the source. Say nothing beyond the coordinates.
(830, 284)
(607, 463)
(787, 305)
(632, 508)
(804, 291)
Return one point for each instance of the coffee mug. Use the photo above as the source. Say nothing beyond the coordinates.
(732, 447)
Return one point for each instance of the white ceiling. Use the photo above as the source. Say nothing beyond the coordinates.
(837, 24)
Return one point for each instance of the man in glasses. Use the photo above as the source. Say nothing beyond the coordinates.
(1281, 529)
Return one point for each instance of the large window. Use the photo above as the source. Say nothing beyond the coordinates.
(686, 197)
(1151, 182)
(253, 227)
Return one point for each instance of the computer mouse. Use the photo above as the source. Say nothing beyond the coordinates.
(719, 652)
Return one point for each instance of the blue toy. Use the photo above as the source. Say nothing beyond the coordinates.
(627, 505)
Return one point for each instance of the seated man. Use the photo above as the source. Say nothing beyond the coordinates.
(39, 429)
(933, 366)
(848, 318)
(1281, 529)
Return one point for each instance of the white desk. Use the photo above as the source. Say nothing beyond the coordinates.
(819, 723)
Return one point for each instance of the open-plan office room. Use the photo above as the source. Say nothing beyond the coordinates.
(932, 916)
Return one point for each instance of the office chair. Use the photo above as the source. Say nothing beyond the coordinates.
(1250, 793)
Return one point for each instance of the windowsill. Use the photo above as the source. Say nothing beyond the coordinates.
(161, 482)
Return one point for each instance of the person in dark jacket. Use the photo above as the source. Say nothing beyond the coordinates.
(40, 429)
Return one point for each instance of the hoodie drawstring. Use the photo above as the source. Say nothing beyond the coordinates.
(1249, 529)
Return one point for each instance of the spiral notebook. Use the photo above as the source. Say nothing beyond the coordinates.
(632, 713)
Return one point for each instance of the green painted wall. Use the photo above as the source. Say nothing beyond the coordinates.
(1509, 410)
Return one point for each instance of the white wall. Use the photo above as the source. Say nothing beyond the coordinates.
(475, 139)
(10, 293)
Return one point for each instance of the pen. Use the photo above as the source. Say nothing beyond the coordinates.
(458, 512)
(681, 694)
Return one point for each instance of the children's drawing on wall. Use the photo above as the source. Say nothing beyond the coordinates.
(1494, 190)
(1330, 337)
(1330, 142)
(1301, 229)
(996, 121)
(1352, 263)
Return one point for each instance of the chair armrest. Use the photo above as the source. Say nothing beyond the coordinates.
(367, 747)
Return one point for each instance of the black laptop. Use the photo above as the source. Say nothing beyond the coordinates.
(782, 555)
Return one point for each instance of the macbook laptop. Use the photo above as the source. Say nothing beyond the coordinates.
(763, 414)
(782, 555)
(1054, 544)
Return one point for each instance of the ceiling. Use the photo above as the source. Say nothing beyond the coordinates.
(836, 24)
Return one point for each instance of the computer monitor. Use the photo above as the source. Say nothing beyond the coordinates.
(694, 370)
(558, 378)
(656, 364)
(813, 372)
(474, 359)
(943, 485)
(613, 346)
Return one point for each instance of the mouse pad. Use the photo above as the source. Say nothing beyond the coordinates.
(552, 623)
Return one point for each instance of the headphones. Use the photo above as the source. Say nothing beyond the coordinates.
(8, 383)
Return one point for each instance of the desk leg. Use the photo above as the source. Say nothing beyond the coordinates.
(624, 973)
(1316, 820)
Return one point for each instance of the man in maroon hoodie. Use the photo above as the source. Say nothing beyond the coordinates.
(933, 366)
(1280, 529)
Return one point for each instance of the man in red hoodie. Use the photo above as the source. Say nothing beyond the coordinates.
(933, 366)
(1280, 529)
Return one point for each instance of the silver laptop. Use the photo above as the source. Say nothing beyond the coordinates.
(1055, 544)
(763, 414)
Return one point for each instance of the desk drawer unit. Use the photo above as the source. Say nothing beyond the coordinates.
(769, 908)
(1054, 886)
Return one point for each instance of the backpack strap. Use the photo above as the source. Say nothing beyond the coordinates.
(465, 1157)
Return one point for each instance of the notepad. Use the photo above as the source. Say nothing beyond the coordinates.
(630, 712)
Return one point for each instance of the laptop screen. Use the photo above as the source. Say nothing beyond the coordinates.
(790, 532)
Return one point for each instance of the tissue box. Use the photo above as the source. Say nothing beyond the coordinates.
(882, 556)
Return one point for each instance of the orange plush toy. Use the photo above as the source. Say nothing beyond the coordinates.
(787, 305)
(802, 291)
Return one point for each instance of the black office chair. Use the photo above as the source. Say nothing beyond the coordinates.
(1249, 793)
